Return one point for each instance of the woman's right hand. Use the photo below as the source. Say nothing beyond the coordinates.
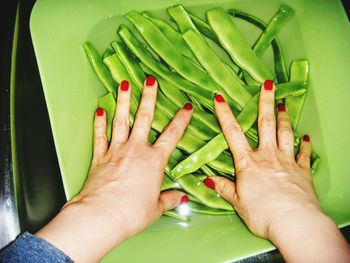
(273, 192)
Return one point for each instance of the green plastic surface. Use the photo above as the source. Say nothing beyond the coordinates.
(319, 31)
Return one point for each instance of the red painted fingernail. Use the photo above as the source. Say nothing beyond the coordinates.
(306, 138)
(281, 107)
(268, 84)
(184, 199)
(124, 85)
(188, 106)
(99, 111)
(209, 183)
(150, 81)
(219, 98)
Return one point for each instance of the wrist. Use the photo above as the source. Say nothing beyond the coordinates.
(308, 235)
(83, 231)
(295, 219)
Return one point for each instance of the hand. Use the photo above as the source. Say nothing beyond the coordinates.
(270, 183)
(273, 192)
(122, 193)
(125, 178)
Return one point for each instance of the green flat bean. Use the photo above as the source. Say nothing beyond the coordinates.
(163, 103)
(274, 26)
(182, 19)
(168, 183)
(176, 215)
(207, 31)
(200, 176)
(173, 35)
(202, 209)
(280, 67)
(299, 71)
(188, 142)
(270, 32)
(196, 188)
(204, 28)
(205, 96)
(217, 145)
(167, 51)
(178, 98)
(205, 195)
(197, 159)
(99, 67)
(108, 52)
(237, 46)
(228, 80)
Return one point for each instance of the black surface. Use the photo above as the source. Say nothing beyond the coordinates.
(8, 211)
(40, 188)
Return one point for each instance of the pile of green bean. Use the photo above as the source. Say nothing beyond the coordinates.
(192, 62)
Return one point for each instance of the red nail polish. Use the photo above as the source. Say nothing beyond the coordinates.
(150, 81)
(188, 106)
(124, 85)
(209, 183)
(268, 84)
(306, 138)
(219, 98)
(99, 111)
(184, 199)
(281, 107)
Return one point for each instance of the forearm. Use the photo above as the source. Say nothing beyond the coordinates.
(309, 236)
(83, 233)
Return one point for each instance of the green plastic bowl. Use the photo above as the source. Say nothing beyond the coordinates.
(319, 31)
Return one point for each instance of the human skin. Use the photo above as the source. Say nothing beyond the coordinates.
(273, 192)
(122, 193)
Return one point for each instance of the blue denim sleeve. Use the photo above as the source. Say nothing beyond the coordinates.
(30, 248)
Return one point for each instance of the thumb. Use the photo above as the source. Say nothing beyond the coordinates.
(170, 199)
(225, 187)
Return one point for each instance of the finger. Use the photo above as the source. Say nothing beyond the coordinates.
(172, 134)
(225, 187)
(304, 155)
(145, 112)
(170, 199)
(121, 125)
(285, 136)
(100, 136)
(267, 119)
(230, 127)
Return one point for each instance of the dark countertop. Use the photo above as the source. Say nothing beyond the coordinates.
(34, 143)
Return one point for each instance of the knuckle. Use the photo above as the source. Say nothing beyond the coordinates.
(233, 127)
(99, 138)
(284, 131)
(121, 122)
(267, 121)
(172, 132)
(145, 115)
(266, 99)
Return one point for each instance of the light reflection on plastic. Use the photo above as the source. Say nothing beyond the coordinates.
(183, 210)
(183, 224)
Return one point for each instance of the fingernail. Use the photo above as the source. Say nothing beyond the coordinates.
(281, 107)
(219, 98)
(209, 183)
(124, 85)
(268, 84)
(99, 111)
(150, 81)
(306, 138)
(188, 106)
(184, 199)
